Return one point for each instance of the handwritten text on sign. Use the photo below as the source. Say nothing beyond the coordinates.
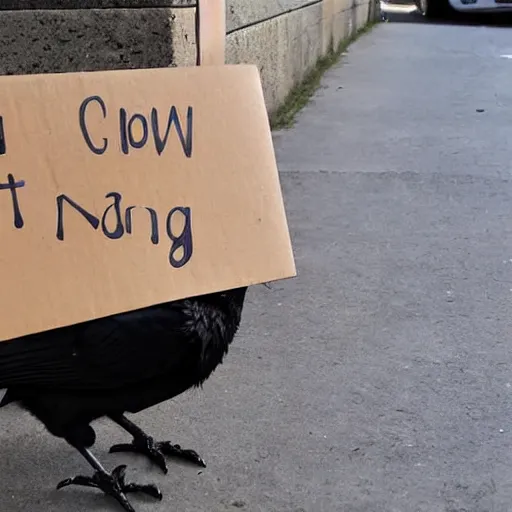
(124, 189)
(134, 133)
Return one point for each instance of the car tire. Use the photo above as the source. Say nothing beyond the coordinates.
(432, 9)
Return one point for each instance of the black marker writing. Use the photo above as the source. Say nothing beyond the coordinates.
(183, 240)
(154, 223)
(119, 230)
(3, 148)
(132, 138)
(180, 241)
(83, 124)
(186, 142)
(127, 135)
(91, 219)
(12, 185)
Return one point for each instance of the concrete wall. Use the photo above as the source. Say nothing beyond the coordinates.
(283, 37)
(287, 37)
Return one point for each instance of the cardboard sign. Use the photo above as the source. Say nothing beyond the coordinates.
(124, 189)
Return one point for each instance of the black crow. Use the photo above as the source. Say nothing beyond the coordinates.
(71, 376)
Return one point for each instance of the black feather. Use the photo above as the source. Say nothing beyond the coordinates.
(124, 363)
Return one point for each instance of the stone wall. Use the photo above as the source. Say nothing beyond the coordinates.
(287, 37)
(283, 37)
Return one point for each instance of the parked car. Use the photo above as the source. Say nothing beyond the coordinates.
(440, 8)
(490, 6)
(433, 8)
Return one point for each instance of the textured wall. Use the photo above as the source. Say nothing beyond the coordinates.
(8, 5)
(284, 38)
(84, 40)
(245, 12)
(283, 47)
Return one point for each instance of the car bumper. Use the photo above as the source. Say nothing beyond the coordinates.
(480, 6)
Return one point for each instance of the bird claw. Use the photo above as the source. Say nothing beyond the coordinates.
(175, 450)
(114, 485)
(155, 451)
(83, 481)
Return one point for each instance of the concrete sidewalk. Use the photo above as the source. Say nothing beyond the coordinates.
(378, 380)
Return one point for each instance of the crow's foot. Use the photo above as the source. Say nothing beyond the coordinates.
(155, 451)
(113, 485)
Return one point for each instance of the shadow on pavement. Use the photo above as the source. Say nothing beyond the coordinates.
(400, 12)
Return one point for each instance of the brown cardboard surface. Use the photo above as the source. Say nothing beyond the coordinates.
(223, 170)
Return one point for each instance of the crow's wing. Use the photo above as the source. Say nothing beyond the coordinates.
(102, 354)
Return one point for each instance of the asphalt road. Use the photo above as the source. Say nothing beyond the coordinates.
(380, 379)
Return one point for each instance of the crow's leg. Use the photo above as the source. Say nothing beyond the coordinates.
(111, 484)
(154, 450)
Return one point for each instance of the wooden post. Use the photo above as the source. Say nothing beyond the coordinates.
(211, 32)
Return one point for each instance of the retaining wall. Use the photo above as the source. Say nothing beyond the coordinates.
(283, 37)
